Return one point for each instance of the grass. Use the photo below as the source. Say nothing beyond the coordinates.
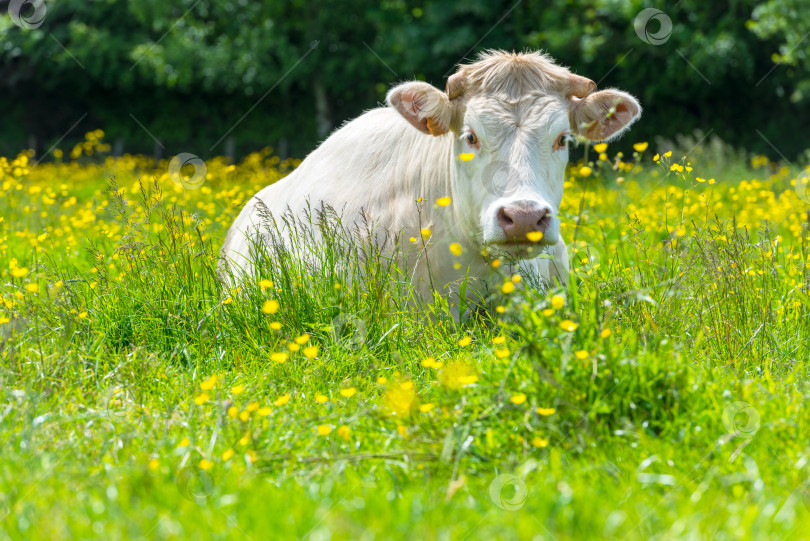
(662, 394)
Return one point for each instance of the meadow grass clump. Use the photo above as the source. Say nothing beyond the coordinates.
(147, 392)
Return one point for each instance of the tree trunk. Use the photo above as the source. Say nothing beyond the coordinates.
(323, 114)
(230, 149)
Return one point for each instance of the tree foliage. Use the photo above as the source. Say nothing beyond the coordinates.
(288, 71)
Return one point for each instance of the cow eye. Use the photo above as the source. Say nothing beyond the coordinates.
(471, 139)
(560, 141)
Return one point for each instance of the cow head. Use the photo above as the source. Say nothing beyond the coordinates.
(512, 117)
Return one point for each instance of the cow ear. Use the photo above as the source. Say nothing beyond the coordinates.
(604, 115)
(426, 107)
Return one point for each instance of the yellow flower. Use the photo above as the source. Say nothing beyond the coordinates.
(568, 325)
(399, 399)
(244, 416)
(496, 263)
(502, 353)
(253, 406)
(656, 158)
(425, 232)
(605, 333)
(668, 153)
(557, 302)
(281, 400)
(201, 399)
(270, 306)
(265, 284)
(540, 442)
(154, 464)
(519, 398)
(209, 383)
(32, 288)
(229, 300)
(382, 380)
(700, 179)
(303, 339)
(264, 412)
(206, 464)
(348, 392)
(321, 399)
(275, 325)
(424, 408)
(516, 278)
(279, 357)
(534, 236)
(227, 455)
(443, 201)
(19, 272)
(324, 430)
(499, 340)
(245, 439)
(183, 443)
(413, 240)
(457, 374)
(600, 147)
(548, 311)
(455, 248)
(292, 346)
(640, 147)
(581, 354)
(344, 432)
(500, 309)
(585, 171)
(508, 287)
(466, 156)
(233, 411)
(464, 342)
(711, 181)
(545, 412)
(239, 389)
(311, 352)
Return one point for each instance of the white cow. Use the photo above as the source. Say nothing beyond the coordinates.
(495, 143)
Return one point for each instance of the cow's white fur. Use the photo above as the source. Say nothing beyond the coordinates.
(375, 168)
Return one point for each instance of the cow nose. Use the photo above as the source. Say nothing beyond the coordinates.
(518, 219)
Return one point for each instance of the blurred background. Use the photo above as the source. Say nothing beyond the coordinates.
(228, 77)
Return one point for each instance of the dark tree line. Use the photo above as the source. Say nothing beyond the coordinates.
(232, 76)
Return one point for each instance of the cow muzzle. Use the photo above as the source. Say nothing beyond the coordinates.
(519, 220)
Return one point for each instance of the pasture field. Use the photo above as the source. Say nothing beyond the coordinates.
(662, 394)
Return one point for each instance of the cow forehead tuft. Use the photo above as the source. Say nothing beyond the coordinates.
(514, 75)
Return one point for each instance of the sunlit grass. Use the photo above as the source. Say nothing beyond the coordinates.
(661, 393)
